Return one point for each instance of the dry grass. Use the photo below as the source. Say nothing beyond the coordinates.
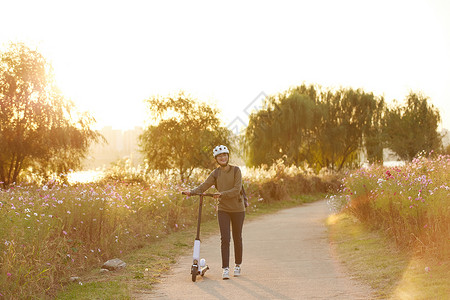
(410, 203)
(373, 258)
(50, 233)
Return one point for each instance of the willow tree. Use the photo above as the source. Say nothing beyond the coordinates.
(281, 129)
(412, 127)
(373, 136)
(326, 129)
(348, 117)
(184, 133)
(39, 129)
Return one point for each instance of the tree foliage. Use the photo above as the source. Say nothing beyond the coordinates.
(39, 129)
(326, 129)
(281, 129)
(412, 128)
(184, 136)
(349, 120)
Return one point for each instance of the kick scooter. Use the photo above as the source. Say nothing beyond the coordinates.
(199, 266)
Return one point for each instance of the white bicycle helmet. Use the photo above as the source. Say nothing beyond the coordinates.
(219, 150)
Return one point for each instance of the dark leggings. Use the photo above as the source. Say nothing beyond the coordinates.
(237, 221)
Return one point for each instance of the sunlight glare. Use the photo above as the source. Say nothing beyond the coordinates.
(85, 176)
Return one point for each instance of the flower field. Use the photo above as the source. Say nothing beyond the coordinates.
(48, 234)
(52, 232)
(411, 203)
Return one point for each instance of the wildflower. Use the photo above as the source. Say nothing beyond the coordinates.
(65, 233)
(8, 274)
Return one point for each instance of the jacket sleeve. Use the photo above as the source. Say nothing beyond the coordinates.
(205, 185)
(236, 189)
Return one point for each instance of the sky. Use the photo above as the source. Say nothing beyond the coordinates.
(109, 56)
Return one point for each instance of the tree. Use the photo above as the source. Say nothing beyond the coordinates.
(326, 129)
(373, 132)
(39, 128)
(281, 129)
(185, 133)
(351, 122)
(412, 128)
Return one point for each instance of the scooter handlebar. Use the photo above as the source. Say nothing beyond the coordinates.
(199, 194)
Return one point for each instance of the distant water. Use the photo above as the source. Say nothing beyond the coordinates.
(389, 164)
(85, 176)
(95, 175)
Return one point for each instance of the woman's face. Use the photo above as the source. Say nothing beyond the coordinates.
(222, 159)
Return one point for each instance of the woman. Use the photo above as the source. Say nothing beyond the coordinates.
(228, 181)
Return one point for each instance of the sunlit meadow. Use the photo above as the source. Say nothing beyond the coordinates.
(52, 232)
(411, 203)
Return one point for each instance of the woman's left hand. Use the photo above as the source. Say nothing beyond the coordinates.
(217, 195)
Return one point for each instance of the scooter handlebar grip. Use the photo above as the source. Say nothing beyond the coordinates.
(199, 194)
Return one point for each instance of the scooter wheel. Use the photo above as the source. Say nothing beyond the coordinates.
(194, 271)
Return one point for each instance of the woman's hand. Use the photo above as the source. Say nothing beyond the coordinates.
(217, 195)
(187, 193)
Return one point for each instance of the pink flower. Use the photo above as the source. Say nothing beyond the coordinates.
(8, 274)
(65, 233)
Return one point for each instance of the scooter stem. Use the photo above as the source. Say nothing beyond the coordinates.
(199, 217)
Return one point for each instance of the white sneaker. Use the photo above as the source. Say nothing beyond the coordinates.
(225, 273)
(237, 270)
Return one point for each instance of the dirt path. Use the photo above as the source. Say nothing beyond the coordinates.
(286, 256)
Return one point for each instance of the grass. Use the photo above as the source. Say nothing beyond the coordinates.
(393, 273)
(146, 265)
(97, 290)
(51, 232)
(408, 202)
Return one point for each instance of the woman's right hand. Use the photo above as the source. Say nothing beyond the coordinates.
(187, 193)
